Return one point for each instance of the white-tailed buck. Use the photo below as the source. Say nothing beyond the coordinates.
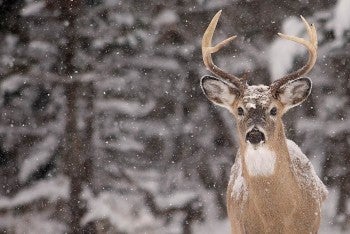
(273, 187)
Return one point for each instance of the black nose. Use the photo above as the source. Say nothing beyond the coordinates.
(255, 136)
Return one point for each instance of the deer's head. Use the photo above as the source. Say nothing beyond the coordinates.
(258, 109)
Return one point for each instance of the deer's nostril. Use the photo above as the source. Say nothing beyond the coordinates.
(255, 136)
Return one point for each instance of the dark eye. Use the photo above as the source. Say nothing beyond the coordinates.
(273, 111)
(240, 111)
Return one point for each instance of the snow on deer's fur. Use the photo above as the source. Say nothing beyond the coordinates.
(273, 187)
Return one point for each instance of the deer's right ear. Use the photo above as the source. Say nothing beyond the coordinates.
(219, 91)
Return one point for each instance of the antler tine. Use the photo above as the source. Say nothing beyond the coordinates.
(312, 49)
(208, 49)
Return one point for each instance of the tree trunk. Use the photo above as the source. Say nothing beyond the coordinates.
(75, 158)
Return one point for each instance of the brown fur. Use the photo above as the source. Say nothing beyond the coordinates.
(275, 204)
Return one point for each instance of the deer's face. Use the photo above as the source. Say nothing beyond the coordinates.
(257, 112)
(258, 109)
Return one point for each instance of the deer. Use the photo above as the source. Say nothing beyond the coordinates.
(273, 188)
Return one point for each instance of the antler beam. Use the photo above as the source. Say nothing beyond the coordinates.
(208, 49)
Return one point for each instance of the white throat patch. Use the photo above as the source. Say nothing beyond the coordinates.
(260, 161)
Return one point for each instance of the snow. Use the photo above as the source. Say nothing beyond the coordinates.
(119, 210)
(50, 189)
(218, 4)
(328, 224)
(257, 95)
(32, 8)
(176, 199)
(212, 224)
(166, 17)
(260, 160)
(10, 41)
(126, 107)
(12, 83)
(42, 46)
(341, 20)
(239, 187)
(283, 52)
(251, 105)
(305, 173)
(126, 19)
(124, 82)
(333, 104)
(126, 144)
(32, 223)
(154, 62)
(329, 127)
(39, 155)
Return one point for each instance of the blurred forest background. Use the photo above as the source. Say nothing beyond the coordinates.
(104, 128)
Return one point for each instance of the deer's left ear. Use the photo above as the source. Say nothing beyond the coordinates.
(295, 92)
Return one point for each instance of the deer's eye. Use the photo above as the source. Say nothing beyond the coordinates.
(240, 111)
(273, 111)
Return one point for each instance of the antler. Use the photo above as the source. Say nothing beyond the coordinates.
(312, 49)
(208, 49)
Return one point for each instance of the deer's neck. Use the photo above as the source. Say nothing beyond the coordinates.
(266, 171)
(270, 183)
(268, 161)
